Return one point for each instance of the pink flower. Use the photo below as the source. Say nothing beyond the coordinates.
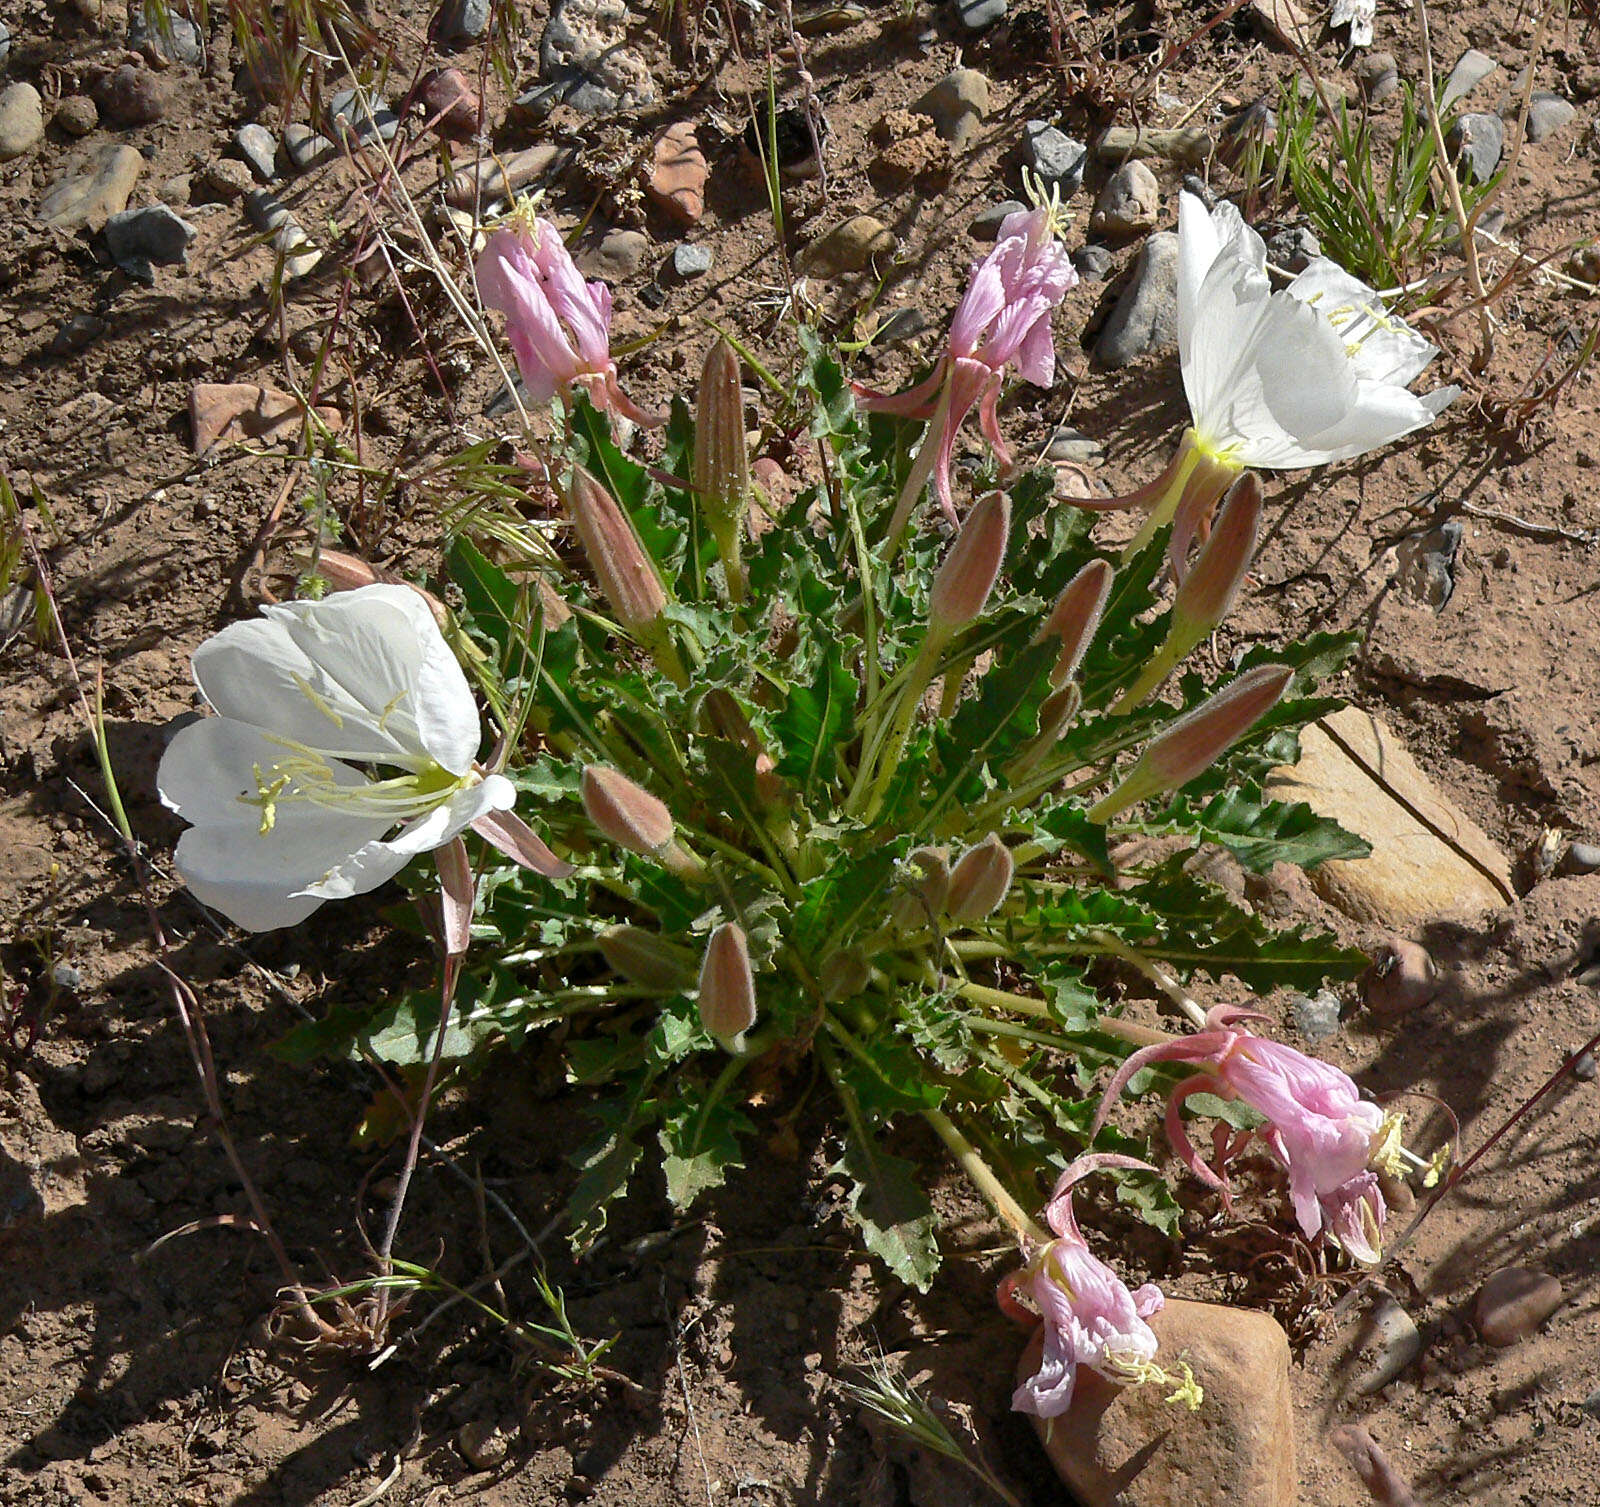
(559, 326)
(1090, 1317)
(1327, 1137)
(1003, 320)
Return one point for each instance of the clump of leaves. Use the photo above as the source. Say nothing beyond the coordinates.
(833, 811)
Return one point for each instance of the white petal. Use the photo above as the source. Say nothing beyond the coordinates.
(1380, 415)
(1386, 348)
(1198, 245)
(208, 773)
(1233, 304)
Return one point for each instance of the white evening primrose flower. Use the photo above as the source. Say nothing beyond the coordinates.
(340, 721)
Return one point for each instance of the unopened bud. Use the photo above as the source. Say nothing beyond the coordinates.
(1198, 739)
(962, 586)
(644, 958)
(844, 974)
(1076, 616)
(979, 881)
(727, 987)
(721, 473)
(616, 556)
(926, 900)
(634, 819)
(1208, 590)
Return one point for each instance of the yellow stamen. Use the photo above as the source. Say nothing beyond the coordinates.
(1388, 1150)
(1057, 215)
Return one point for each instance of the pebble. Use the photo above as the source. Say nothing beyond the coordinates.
(1367, 1459)
(1547, 114)
(957, 104)
(848, 247)
(21, 120)
(259, 148)
(677, 181)
(1054, 156)
(66, 975)
(1402, 978)
(464, 20)
(1187, 144)
(1390, 1343)
(1378, 76)
(450, 102)
(1073, 445)
(1146, 315)
(482, 1445)
(1427, 564)
(133, 96)
(1581, 858)
(976, 15)
(363, 118)
(138, 237)
(492, 180)
(1584, 264)
(617, 256)
(77, 115)
(1471, 69)
(1094, 263)
(306, 148)
(92, 189)
(585, 61)
(692, 261)
(75, 333)
(1513, 1303)
(900, 324)
(227, 178)
(1129, 203)
(165, 39)
(246, 411)
(1316, 1016)
(1585, 1069)
(1477, 140)
(987, 222)
(1294, 249)
(289, 238)
(177, 190)
(5, 43)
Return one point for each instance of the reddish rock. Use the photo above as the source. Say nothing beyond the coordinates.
(1127, 1447)
(234, 411)
(677, 181)
(451, 102)
(1368, 1461)
(1402, 978)
(1513, 1303)
(133, 96)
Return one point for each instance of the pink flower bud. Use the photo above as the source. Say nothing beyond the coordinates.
(629, 815)
(1213, 581)
(1076, 616)
(624, 571)
(962, 586)
(1198, 739)
(926, 900)
(644, 958)
(721, 472)
(979, 881)
(844, 974)
(727, 987)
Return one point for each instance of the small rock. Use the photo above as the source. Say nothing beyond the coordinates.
(977, 15)
(1581, 858)
(464, 20)
(1127, 1447)
(76, 333)
(1547, 114)
(168, 38)
(1378, 76)
(134, 96)
(957, 104)
(1368, 1461)
(450, 102)
(227, 178)
(1094, 263)
(1316, 1016)
(617, 255)
(1390, 1342)
(5, 43)
(77, 115)
(1427, 564)
(21, 120)
(155, 235)
(1476, 141)
(653, 296)
(1513, 1303)
(361, 115)
(1584, 264)
(1146, 315)
(491, 181)
(910, 151)
(234, 411)
(587, 61)
(482, 1445)
(1294, 249)
(65, 975)
(900, 324)
(1282, 20)
(691, 261)
(1402, 978)
(849, 247)
(1470, 71)
(1073, 445)
(1185, 144)
(289, 239)
(92, 189)
(1129, 203)
(1054, 156)
(177, 191)
(306, 148)
(259, 148)
(987, 222)
(677, 181)
(20, 1200)
(1585, 1069)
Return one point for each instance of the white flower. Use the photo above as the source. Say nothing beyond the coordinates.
(1316, 372)
(283, 818)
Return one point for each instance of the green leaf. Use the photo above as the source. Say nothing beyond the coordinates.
(1258, 832)
(605, 1168)
(816, 722)
(700, 1142)
(891, 1210)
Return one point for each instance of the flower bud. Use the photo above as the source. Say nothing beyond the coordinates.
(1196, 740)
(1076, 616)
(844, 974)
(616, 556)
(727, 987)
(913, 911)
(1213, 581)
(644, 958)
(979, 881)
(967, 576)
(721, 474)
(626, 813)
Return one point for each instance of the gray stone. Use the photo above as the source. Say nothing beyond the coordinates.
(1390, 1342)
(1547, 114)
(1068, 444)
(1316, 1016)
(957, 105)
(1054, 156)
(259, 148)
(464, 20)
(134, 96)
(155, 235)
(1586, 1069)
(1146, 316)
(361, 117)
(289, 238)
(1427, 564)
(77, 115)
(1513, 1303)
(306, 148)
(1094, 263)
(692, 261)
(585, 61)
(506, 398)
(21, 120)
(1378, 76)
(65, 976)
(987, 222)
(617, 255)
(76, 333)
(900, 324)
(976, 15)
(170, 38)
(177, 191)
(1581, 858)
(1476, 140)
(852, 246)
(5, 43)
(92, 189)
(226, 178)
(1471, 69)
(1129, 203)
(1294, 249)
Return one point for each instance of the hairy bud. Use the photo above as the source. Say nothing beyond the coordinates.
(721, 472)
(616, 556)
(1213, 581)
(1076, 616)
(926, 900)
(979, 881)
(727, 999)
(844, 974)
(967, 576)
(644, 958)
(626, 813)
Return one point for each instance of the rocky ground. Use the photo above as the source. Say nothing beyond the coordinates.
(192, 238)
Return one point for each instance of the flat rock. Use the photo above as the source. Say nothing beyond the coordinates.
(692, 261)
(979, 15)
(1094, 263)
(586, 61)
(289, 239)
(77, 115)
(259, 149)
(987, 222)
(1513, 1303)
(1191, 145)
(154, 234)
(848, 247)
(1316, 1016)
(616, 256)
(1127, 1447)
(494, 180)
(134, 96)
(306, 147)
(1471, 69)
(1129, 202)
(1476, 140)
(235, 412)
(226, 178)
(168, 38)
(1284, 21)
(361, 115)
(1429, 861)
(1547, 114)
(21, 120)
(957, 105)
(1387, 1343)
(676, 184)
(1378, 76)
(1068, 444)
(464, 20)
(1146, 315)
(1056, 157)
(92, 189)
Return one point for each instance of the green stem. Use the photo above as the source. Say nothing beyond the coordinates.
(983, 1178)
(921, 470)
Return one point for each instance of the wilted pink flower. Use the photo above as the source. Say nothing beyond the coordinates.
(558, 325)
(1327, 1136)
(1003, 320)
(1090, 1316)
